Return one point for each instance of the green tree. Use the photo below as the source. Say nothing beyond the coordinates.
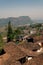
(17, 33)
(9, 33)
(1, 43)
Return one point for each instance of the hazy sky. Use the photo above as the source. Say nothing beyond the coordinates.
(15, 8)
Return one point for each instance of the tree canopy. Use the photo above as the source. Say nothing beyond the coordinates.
(9, 33)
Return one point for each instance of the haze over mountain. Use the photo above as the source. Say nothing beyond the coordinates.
(22, 20)
(38, 21)
(16, 21)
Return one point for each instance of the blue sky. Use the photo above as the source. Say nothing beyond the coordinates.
(15, 8)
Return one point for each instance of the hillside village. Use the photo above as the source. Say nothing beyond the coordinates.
(21, 32)
(23, 46)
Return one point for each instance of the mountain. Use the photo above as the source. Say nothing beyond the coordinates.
(16, 21)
